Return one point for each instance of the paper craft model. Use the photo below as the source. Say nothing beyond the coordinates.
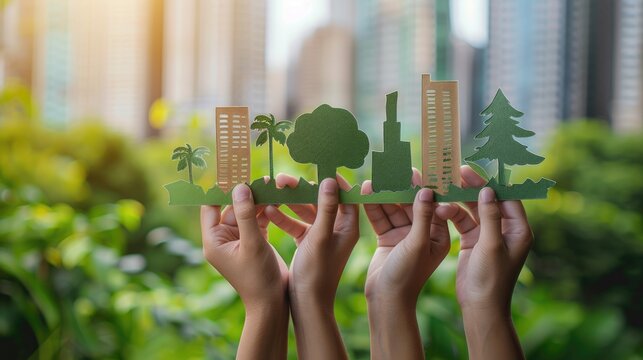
(330, 138)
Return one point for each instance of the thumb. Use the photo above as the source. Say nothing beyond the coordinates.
(422, 218)
(245, 213)
(327, 201)
(490, 219)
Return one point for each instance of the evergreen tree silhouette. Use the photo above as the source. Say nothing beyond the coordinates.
(501, 129)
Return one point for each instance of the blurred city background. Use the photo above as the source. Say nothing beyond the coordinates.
(94, 95)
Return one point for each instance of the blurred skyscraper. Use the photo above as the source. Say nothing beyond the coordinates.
(214, 54)
(627, 112)
(538, 55)
(396, 42)
(324, 71)
(16, 46)
(97, 60)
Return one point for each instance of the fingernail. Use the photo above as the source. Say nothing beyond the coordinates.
(426, 195)
(241, 193)
(329, 186)
(487, 195)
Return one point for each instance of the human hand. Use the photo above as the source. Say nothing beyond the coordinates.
(494, 243)
(325, 237)
(411, 243)
(235, 243)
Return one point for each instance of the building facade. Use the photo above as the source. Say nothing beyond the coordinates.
(233, 146)
(440, 134)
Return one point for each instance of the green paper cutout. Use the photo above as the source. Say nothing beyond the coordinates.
(187, 157)
(392, 166)
(501, 129)
(183, 193)
(329, 138)
(269, 131)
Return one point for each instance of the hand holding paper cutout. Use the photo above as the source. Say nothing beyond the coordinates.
(494, 243)
(325, 238)
(412, 242)
(234, 242)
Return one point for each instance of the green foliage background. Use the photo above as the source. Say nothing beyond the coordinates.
(94, 264)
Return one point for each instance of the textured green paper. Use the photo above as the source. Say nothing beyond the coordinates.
(270, 130)
(392, 167)
(330, 138)
(184, 193)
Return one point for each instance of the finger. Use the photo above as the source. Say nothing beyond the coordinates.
(284, 180)
(440, 237)
(292, 227)
(460, 218)
(328, 202)
(246, 216)
(471, 179)
(417, 181)
(306, 212)
(416, 178)
(422, 219)
(227, 217)
(490, 226)
(396, 215)
(210, 217)
(347, 212)
(515, 227)
(374, 212)
(262, 219)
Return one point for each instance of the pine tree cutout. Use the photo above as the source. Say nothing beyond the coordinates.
(501, 128)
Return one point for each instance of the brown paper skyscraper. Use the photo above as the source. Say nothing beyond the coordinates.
(440, 134)
(233, 146)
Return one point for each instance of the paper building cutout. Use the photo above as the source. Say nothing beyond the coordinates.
(233, 146)
(440, 134)
(330, 138)
(392, 167)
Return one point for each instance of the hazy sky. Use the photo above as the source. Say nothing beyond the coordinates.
(289, 21)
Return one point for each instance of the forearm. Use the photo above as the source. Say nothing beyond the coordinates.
(316, 331)
(394, 331)
(265, 332)
(491, 335)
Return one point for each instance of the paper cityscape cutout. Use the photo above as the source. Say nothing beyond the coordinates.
(330, 138)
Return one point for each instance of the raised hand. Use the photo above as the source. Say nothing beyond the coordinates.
(325, 237)
(411, 244)
(494, 243)
(235, 243)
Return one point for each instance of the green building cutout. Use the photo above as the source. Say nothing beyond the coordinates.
(392, 166)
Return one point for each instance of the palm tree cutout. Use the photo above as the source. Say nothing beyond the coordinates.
(188, 157)
(270, 131)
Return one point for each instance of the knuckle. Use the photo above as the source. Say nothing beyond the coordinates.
(244, 211)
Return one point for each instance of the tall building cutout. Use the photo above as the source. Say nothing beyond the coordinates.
(440, 134)
(233, 146)
(392, 167)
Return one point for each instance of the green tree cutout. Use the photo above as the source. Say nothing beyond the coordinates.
(270, 130)
(188, 157)
(329, 138)
(501, 128)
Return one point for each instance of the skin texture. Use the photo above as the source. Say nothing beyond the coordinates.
(494, 243)
(325, 237)
(412, 242)
(235, 243)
